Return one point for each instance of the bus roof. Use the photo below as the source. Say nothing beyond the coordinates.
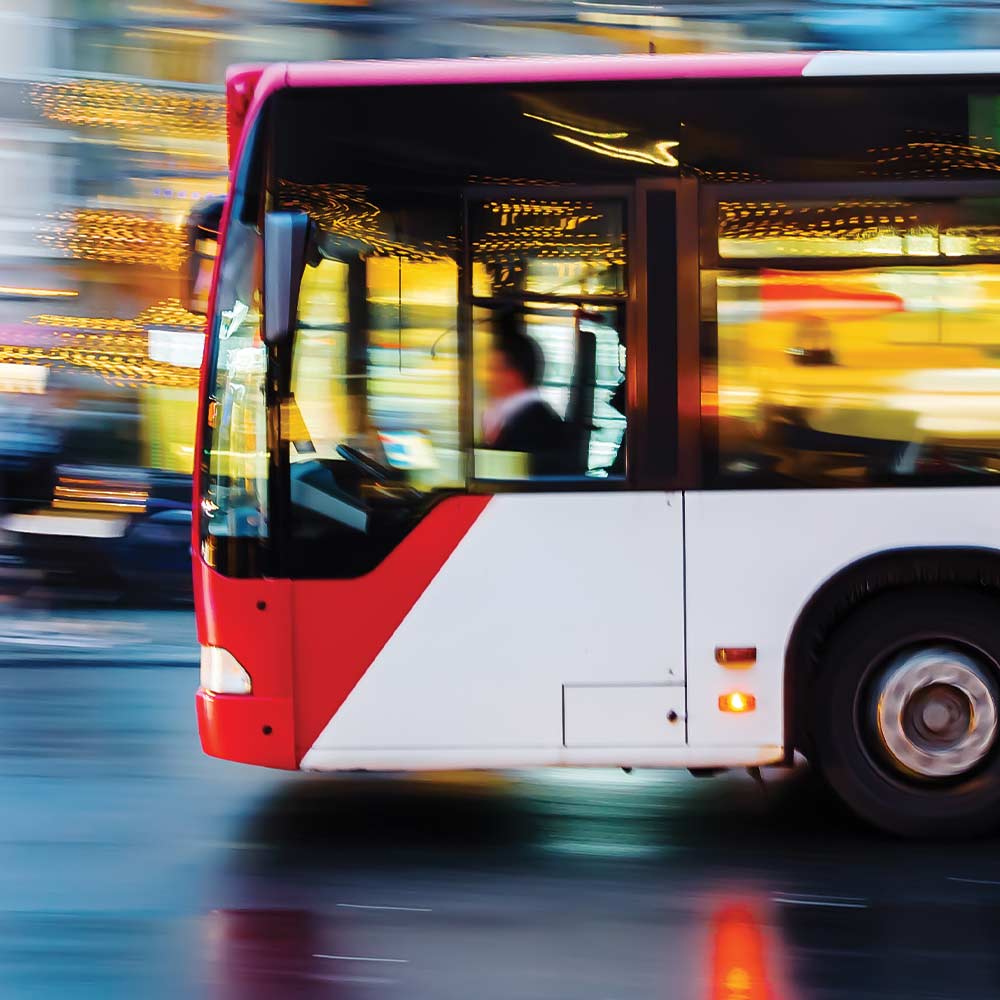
(249, 86)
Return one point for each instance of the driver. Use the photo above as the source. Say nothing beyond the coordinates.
(517, 418)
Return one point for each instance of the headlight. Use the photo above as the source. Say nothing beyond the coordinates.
(222, 673)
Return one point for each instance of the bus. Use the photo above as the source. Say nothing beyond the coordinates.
(630, 411)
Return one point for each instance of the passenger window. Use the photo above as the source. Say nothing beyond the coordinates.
(550, 391)
(870, 373)
(548, 282)
(858, 377)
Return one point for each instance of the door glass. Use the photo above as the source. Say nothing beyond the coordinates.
(548, 279)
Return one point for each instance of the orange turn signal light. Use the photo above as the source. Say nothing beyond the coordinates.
(737, 702)
(736, 657)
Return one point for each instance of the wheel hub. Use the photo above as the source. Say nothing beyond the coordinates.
(936, 712)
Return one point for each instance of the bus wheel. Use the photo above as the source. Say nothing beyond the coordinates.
(906, 711)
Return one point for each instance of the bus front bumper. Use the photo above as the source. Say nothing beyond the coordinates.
(247, 729)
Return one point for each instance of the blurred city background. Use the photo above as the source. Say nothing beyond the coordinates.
(113, 123)
(133, 866)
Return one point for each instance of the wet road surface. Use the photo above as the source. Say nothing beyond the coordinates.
(132, 866)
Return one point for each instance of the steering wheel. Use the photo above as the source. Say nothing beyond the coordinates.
(377, 471)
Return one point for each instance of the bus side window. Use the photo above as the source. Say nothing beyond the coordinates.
(548, 290)
(550, 393)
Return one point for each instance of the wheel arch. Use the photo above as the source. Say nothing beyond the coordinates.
(856, 584)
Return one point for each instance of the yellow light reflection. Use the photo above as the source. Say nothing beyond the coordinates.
(39, 293)
(186, 13)
(87, 494)
(344, 210)
(574, 128)
(851, 228)
(660, 155)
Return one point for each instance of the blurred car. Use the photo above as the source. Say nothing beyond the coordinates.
(80, 506)
(122, 531)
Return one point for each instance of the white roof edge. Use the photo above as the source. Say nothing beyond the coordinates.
(943, 63)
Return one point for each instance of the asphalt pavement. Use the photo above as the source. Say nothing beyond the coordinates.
(132, 866)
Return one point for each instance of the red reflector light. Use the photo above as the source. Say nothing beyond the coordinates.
(737, 702)
(736, 657)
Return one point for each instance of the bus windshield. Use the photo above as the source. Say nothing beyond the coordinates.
(447, 333)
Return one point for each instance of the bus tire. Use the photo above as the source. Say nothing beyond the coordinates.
(906, 712)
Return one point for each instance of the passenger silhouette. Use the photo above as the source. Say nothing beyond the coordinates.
(517, 418)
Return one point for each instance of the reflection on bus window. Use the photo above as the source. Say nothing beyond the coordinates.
(858, 228)
(236, 503)
(413, 373)
(858, 376)
(320, 382)
(548, 337)
(372, 419)
(548, 246)
(388, 388)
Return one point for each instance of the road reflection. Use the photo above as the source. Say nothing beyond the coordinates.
(742, 955)
(533, 815)
(593, 884)
(263, 954)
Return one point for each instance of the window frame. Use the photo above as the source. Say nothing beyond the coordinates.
(668, 444)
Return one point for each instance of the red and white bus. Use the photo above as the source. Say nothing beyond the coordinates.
(626, 411)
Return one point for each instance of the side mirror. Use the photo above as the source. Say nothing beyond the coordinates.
(202, 232)
(286, 244)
